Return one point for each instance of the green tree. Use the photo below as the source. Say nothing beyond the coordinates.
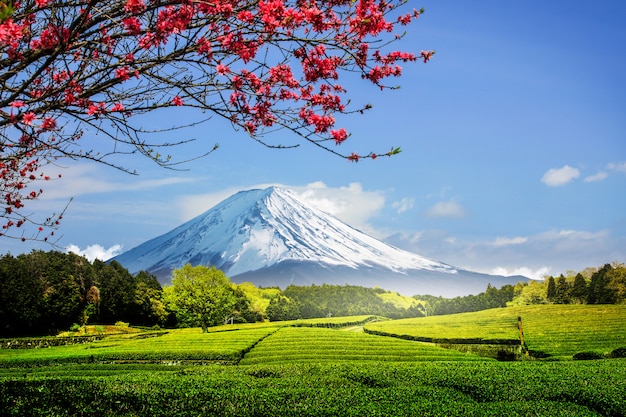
(148, 304)
(617, 283)
(562, 291)
(20, 299)
(117, 292)
(531, 293)
(599, 293)
(283, 308)
(243, 310)
(551, 290)
(579, 289)
(203, 294)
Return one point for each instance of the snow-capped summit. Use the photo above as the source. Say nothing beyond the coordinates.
(270, 237)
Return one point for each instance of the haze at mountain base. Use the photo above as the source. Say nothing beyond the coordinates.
(271, 238)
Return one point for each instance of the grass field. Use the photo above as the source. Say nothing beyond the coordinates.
(305, 368)
(556, 330)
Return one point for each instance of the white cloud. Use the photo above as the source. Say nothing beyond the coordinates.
(85, 179)
(557, 177)
(446, 209)
(572, 235)
(602, 175)
(351, 204)
(617, 166)
(536, 274)
(95, 251)
(612, 167)
(403, 205)
(552, 251)
(506, 241)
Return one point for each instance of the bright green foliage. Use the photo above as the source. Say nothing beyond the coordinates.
(259, 297)
(488, 325)
(534, 292)
(310, 371)
(282, 308)
(556, 330)
(174, 346)
(204, 295)
(617, 284)
(581, 389)
(291, 344)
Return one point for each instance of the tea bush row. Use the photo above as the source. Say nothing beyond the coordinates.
(174, 346)
(329, 389)
(556, 331)
(315, 344)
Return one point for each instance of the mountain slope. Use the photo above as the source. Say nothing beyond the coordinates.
(271, 238)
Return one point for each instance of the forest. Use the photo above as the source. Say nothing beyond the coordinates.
(43, 293)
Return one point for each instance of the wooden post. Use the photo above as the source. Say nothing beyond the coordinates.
(521, 335)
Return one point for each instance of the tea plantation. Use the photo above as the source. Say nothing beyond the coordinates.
(316, 368)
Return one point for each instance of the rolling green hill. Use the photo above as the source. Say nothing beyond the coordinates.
(559, 331)
(317, 368)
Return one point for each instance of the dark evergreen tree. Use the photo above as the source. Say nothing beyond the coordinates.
(148, 308)
(562, 291)
(117, 292)
(579, 289)
(599, 291)
(21, 302)
(551, 291)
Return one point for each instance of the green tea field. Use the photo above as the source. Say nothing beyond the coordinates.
(322, 367)
(555, 331)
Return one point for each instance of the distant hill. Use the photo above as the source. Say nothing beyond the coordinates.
(271, 238)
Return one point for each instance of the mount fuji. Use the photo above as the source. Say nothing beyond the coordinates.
(271, 238)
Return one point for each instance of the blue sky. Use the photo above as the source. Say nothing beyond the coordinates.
(513, 139)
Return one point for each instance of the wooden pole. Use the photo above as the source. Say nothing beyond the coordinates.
(521, 335)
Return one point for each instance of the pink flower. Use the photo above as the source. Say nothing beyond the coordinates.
(122, 73)
(95, 109)
(49, 124)
(132, 25)
(177, 101)
(28, 118)
(135, 6)
(339, 135)
(427, 55)
(17, 104)
(221, 69)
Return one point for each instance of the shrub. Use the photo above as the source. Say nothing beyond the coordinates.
(75, 327)
(618, 353)
(121, 324)
(586, 356)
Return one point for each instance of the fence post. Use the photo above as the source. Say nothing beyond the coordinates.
(521, 335)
